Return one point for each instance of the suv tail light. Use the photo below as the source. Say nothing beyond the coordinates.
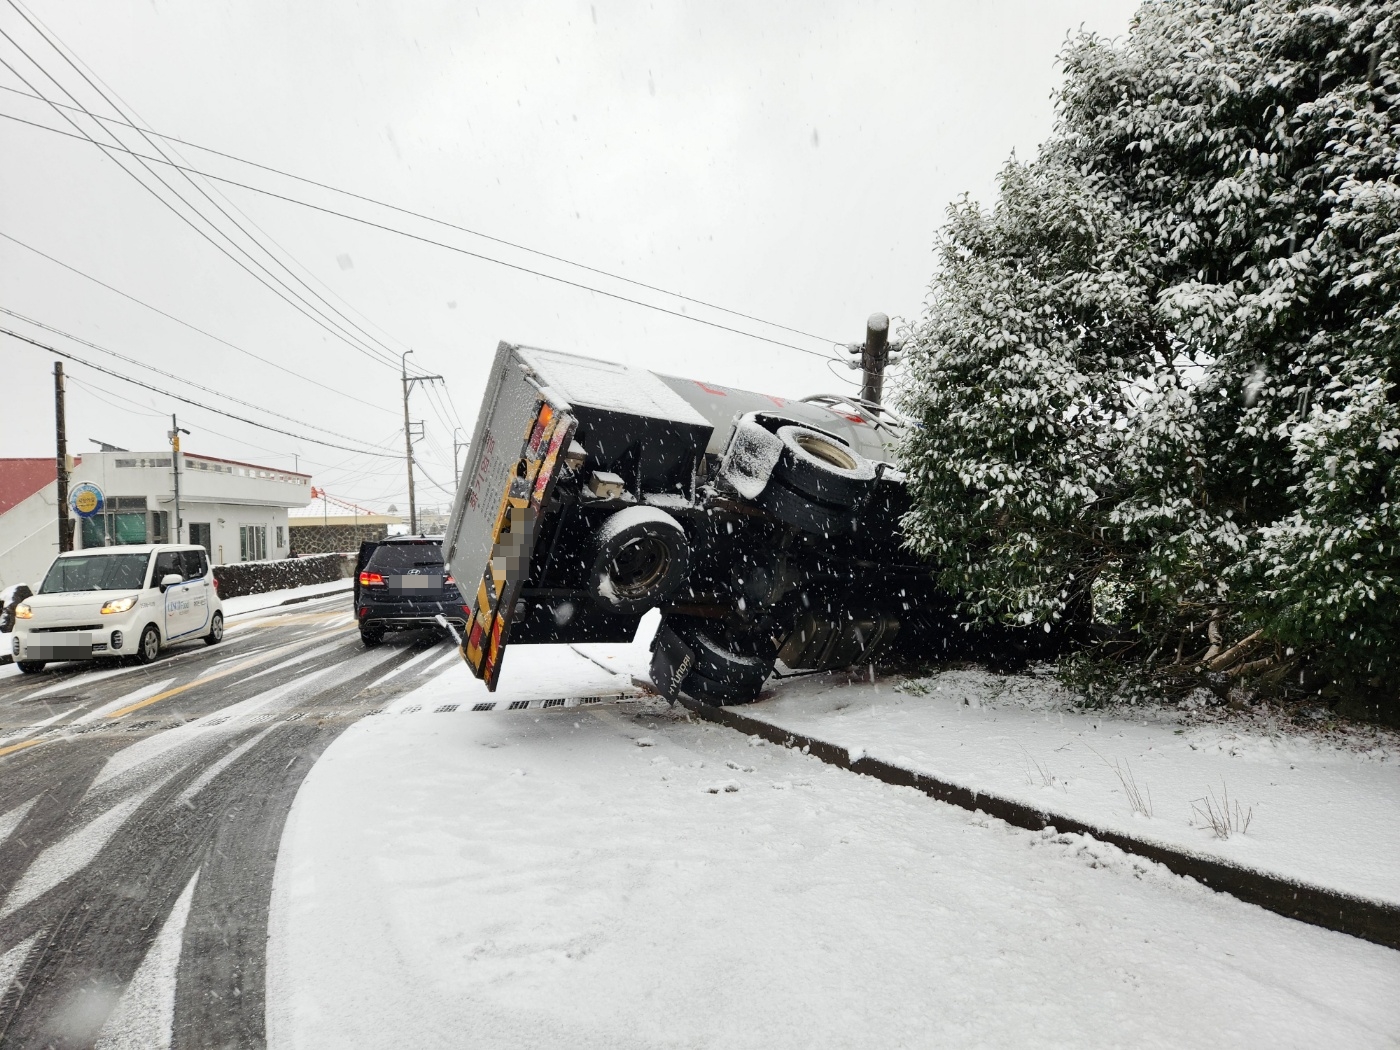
(448, 581)
(371, 579)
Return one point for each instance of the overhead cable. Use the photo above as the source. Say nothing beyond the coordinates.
(189, 401)
(441, 244)
(192, 328)
(467, 230)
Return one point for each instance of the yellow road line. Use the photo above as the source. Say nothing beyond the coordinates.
(252, 661)
(18, 747)
(243, 666)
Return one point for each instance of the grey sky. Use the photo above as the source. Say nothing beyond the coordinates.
(789, 160)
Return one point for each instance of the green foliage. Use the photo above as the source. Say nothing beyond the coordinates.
(1161, 376)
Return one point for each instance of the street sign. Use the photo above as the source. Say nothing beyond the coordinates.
(86, 500)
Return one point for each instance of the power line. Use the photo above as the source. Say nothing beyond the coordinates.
(186, 324)
(280, 289)
(188, 401)
(475, 233)
(51, 38)
(441, 244)
(168, 375)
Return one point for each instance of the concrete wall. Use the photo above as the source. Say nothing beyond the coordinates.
(29, 538)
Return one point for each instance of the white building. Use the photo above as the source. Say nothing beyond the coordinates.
(236, 511)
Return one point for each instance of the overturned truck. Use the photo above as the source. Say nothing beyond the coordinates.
(766, 530)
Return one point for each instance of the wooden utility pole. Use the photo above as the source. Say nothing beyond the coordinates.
(65, 527)
(408, 382)
(175, 433)
(873, 357)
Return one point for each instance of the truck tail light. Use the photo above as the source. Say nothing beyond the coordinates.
(371, 579)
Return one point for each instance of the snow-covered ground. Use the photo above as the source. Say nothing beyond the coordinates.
(1323, 809)
(620, 876)
(248, 603)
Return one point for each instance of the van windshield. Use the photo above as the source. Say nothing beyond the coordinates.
(96, 572)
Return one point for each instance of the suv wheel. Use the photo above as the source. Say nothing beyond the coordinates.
(30, 666)
(371, 636)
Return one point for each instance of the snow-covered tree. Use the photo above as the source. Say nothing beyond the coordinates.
(1164, 370)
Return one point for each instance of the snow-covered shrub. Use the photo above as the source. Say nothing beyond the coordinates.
(1167, 357)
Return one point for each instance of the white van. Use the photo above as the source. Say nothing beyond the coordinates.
(118, 601)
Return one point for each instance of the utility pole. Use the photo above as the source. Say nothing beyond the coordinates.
(65, 527)
(175, 433)
(457, 446)
(875, 353)
(408, 382)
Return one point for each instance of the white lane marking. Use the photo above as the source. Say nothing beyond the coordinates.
(12, 961)
(132, 697)
(453, 655)
(309, 654)
(9, 821)
(404, 667)
(74, 852)
(152, 747)
(82, 678)
(29, 729)
(242, 655)
(202, 781)
(144, 1018)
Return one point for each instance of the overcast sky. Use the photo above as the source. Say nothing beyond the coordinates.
(791, 161)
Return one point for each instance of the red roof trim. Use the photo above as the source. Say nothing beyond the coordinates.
(21, 478)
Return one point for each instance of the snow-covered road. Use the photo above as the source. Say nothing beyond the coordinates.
(618, 876)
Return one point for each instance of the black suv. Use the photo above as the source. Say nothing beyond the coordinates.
(402, 584)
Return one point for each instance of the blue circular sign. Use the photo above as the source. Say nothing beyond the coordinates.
(86, 500)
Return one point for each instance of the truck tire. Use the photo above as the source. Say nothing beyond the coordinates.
(642, 557)
(805, 513)
(818, 466)
(718, 674)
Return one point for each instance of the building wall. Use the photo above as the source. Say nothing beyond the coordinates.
(29, 538)
(327, 539)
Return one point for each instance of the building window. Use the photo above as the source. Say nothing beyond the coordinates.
(281, 539)
(252, 543)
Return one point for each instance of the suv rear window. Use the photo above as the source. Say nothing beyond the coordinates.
(394, 558)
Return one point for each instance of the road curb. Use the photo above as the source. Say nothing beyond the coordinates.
(1370, 920)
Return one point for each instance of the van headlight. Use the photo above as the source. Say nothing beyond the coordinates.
(118, 605)
(23, 611)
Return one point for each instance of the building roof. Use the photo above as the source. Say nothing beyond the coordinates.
(21, 478)
(323, 510)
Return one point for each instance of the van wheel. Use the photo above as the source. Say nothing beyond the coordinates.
(149, 647)
(30, 666)
(216, 630)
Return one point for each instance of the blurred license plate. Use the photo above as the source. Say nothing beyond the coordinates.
(61, 645)
(415, 583)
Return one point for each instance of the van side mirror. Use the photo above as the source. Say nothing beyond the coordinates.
(170, 579)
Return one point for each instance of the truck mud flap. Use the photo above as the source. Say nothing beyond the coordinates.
(671, 661)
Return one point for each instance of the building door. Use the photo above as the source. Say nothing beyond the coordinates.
(200, 534)
(252, 543)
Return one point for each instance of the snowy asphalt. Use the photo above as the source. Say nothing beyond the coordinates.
(129, 794)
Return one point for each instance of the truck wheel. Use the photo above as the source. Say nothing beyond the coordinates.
(822, 468)
(29, 666)
(804, 512)
(719, 674)
(643, 556)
